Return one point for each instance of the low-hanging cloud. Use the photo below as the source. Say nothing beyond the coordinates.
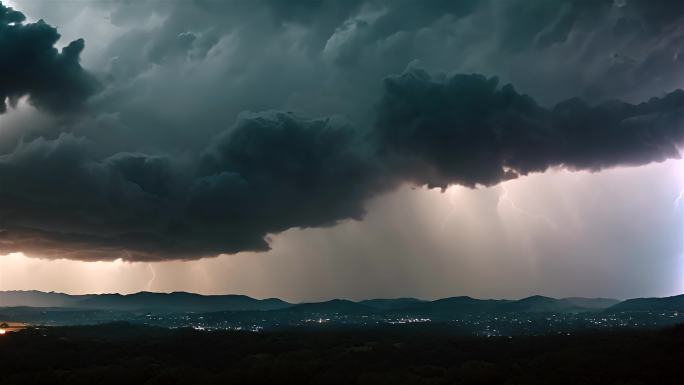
(273, 171)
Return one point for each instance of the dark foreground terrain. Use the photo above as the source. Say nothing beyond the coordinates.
(128, 354)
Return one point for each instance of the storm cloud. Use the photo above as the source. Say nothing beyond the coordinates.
(215, 124)
(467, 130)
(32, 66)
(274, 171)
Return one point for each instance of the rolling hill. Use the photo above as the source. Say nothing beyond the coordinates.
(167, 302)
(189, 302)
(675, 303)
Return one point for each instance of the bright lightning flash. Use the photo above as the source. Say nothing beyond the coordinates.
(153, 276)
(678, 201)
(505, 197)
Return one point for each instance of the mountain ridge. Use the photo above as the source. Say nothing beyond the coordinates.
(182, 301)
(173, 301)
(672, 303)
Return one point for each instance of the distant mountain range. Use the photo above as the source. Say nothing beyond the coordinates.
(534, 304)
(167, 302)
(179, 302)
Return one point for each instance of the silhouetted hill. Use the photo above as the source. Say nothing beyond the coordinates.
(36, 298)
(171, 302)
(179, 302)
(457, 305)
(592, 303)
(189, 302)
(675, 303)
(391, 303)
(542, 304)
(335, 306)
(533, 304)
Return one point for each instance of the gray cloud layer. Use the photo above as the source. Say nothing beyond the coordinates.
(151, 172)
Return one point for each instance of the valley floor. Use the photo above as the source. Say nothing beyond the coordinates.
(128, 354)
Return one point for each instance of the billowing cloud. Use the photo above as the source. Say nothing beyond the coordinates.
(268, 173)
(60, 199)
(32, 66)
(167, 163)
(274, 171)
(465, 129)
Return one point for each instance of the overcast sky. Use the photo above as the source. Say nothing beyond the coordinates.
(309, 150)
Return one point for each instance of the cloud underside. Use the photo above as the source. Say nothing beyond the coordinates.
(273, 171)
(63, 196)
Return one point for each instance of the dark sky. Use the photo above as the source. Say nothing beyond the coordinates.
(344, 148)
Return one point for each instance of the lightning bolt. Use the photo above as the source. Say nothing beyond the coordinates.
(505, 197)
(678, 201)
(153, 276)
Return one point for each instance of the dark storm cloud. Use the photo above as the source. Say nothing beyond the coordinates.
(318, 169)
(274, 171)
(158, 170)
(270, 172)
(31, 65)
(467, 130)
(58, 192)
